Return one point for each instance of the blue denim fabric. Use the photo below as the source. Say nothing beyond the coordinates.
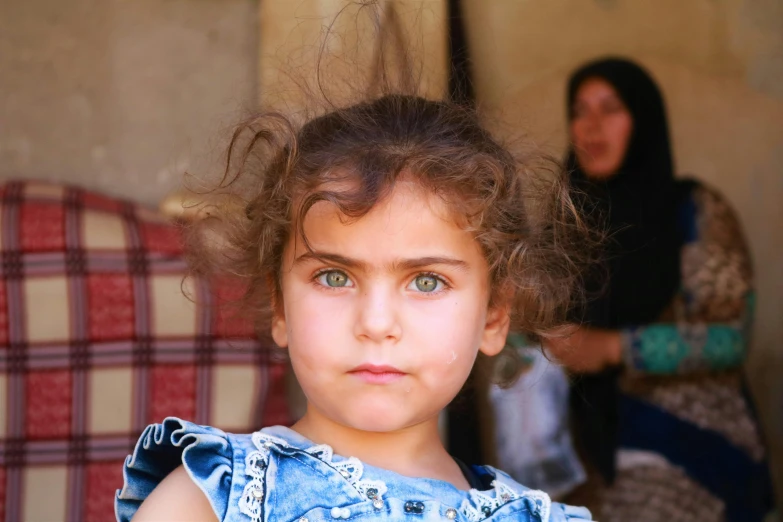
(277, 475)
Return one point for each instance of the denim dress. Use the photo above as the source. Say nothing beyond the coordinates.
(277, 475)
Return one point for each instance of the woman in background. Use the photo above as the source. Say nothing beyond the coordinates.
(660, 408)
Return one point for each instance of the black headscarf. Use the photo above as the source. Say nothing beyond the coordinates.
(639, 204)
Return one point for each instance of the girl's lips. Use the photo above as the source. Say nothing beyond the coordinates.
(375, 374)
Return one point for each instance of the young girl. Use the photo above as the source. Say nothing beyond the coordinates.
(394, 241)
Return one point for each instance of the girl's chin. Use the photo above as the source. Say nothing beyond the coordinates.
(380, 425)
(382, 421)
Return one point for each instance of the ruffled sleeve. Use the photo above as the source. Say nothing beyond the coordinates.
(566, 513)
(205, 453)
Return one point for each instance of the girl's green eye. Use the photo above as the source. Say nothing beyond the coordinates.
(427, 283)
(334, 279)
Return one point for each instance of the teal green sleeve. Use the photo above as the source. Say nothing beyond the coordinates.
(682, 348)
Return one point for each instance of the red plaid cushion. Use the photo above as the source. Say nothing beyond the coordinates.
(97, 340)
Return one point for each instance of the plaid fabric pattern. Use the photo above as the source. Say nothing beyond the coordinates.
(97, 340)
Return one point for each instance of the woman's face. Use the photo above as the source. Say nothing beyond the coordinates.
(601, 128)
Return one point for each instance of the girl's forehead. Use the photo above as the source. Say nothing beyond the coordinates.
(409, 222)
(406, 193)
(407, 207)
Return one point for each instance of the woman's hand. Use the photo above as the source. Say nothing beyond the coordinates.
(586, 350)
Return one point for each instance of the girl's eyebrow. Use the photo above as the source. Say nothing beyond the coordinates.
(399, 264)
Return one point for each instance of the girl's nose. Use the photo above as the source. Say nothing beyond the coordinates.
(378, 319)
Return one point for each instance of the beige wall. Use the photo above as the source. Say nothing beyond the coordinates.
(720, 64)
(121, 95)
(124, 96)
(295, 34)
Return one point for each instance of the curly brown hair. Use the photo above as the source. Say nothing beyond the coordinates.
(517, 207)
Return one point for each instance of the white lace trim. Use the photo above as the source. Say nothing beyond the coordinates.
(480, 506)
(483, 504)
(350, 469)
(256, 463)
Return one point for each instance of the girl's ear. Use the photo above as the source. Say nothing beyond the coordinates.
(279, 326)
(279, 329)
(496, 329)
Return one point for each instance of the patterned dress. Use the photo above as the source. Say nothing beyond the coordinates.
(690, 448)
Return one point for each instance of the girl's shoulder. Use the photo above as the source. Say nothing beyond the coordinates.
(176, 497)
(278, 474)
(206, 454)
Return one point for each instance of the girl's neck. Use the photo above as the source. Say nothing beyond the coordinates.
(415, 451)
